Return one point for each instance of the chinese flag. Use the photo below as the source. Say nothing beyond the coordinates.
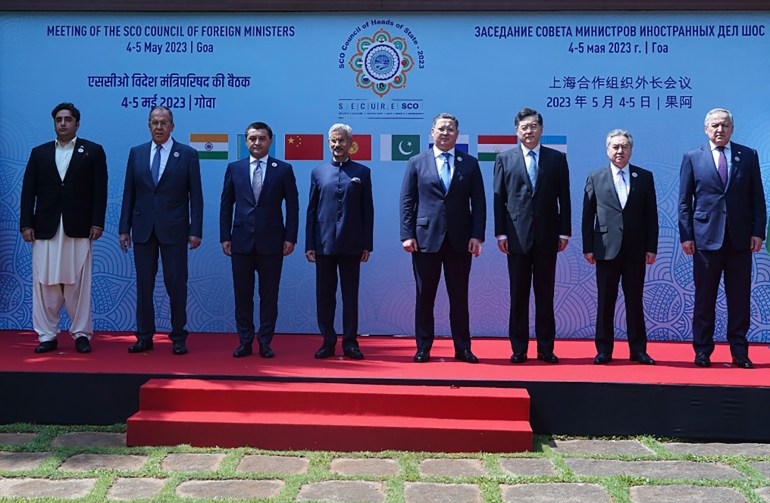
(361, 150)
(304, 147)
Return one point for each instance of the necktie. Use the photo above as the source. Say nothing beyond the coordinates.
(155, 168)
(256, 181)
(722, 166)
(622, 188)
(532, 168)
(446, 172)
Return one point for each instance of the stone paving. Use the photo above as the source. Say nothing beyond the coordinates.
(93, 466)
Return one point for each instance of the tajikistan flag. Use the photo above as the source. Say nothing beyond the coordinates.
(210, 146)
(399, 147)
(491, 145)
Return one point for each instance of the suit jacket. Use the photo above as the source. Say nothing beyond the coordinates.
(80, 200)
(607, 226)
(530, 217)
(705, 207)
(259, 225)
(340, 210)
(174, 208)
(430, 214)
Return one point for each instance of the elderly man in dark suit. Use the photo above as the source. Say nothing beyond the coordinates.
(620, 236)
(63, 202)
(257, 238)
(162, 212)
(722, 218)
(339, 236)
(443, 214)
(532, 224)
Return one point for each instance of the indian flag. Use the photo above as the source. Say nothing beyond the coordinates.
(556, 142)
(210, 146)
(491, 145)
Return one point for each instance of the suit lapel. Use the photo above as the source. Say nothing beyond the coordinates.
(431, 164)
(173, 158)
(243, 177)
(270, 169)
(733, 163)
(521, 166)
(459, 172)
(709, 166)
(608, 183)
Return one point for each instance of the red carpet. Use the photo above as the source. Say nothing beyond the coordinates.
(387, 358)
(327, 416)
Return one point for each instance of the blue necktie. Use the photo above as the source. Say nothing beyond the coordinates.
(446, 172)
(532, 168)
(155, 169)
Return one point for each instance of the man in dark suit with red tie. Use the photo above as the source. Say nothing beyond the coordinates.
(532, 224)
(339, 235)
(63, 202)
(620, 236)
(162, 213)
(722, 218)
(256, 237)
(443, 214)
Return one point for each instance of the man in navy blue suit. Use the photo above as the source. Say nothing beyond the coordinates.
(721, 222)
(443, 214)
(257, 238)
(339, 236)
(532, 225)
(162, 212)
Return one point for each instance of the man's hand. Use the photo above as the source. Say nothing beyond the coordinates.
(125, 242)
(562, 244)
(688, 247)
(288, 247)
(474, 246)
(310, 255)
(28, 234)
(96, 233)
(502, 244)
(650, 258)
(590, 258)
(365, 256)
(409, 245)
(227, 247)
(195, 241)
(756, 244)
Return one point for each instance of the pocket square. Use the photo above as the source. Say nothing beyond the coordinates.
(355, 179)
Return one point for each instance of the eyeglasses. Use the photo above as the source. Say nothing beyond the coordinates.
(161, 124)
(529, 127)
(447, 130)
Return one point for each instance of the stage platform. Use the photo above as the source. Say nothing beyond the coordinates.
(672, 399)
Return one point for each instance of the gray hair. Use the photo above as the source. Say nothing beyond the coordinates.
(341, 127)
(620, 132)
(161, 108)
(714, 111)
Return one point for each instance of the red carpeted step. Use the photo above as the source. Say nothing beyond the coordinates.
(416, 401)
(330, 416)
(334, 432)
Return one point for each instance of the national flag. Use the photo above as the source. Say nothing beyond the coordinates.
(243, 150)
(399, 147)
(361, 149)
(304, 147)
(462, 143)
(491, 145)
(210, 146)
(555, 142)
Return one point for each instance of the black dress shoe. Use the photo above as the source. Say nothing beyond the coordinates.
(324, 352)
(518, 357)
(466, 356)
(141, 346)
(354, 353)
(642, 357)
(179, 348)
(742, 362)
(242, 350)
(82, 345)
(45, 347)
(702, 360)
(602, 358)
(265, 351)
(548, 357)
(421, 356)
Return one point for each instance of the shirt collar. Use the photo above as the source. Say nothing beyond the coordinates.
(616, 169)
(165, 146)
(714, 147)
(437, 152)
(526, 150)
(70, 143)
(253, 159)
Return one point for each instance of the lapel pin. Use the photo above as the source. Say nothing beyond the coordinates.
(634, 174)
(81, 150)
(459, 159)
(737, 159)
(275, 164)
(176, 154)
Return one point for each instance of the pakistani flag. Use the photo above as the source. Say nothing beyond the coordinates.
(210, 146)
(399, 147)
